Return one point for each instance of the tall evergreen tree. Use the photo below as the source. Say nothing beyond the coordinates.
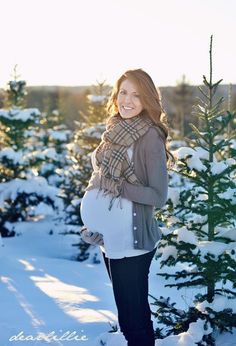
(200, 230)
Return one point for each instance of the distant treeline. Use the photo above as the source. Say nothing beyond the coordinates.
(69, 101)
(72, 102)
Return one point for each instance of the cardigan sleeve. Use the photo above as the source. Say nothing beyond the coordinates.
(155, 193)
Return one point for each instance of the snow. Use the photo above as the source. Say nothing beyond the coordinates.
(233, 144)
(183, 152)
(37, 185)
(186, 236)
(43, 209)
(214, 248)
(97, 98)
(43, 290)
(74, 147)
(218, 167)
(53, 300)
(47, 167)
(228, 233)
(94, 131)
(219, 304)
(167, 230)
(195, 156)
(199, 218)
(1, 243)
(15, 156)
(229, 194)
(168, 251)
(111, 339)
(230, 162)
(173, 195)
(202, 153)
(18, 157)
(20, 114)
(49, 153)
(190, 338)
(58, 135)
(192, 157)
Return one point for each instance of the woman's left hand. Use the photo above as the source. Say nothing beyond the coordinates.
(92, 238)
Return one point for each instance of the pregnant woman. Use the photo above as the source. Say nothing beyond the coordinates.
(129, 180)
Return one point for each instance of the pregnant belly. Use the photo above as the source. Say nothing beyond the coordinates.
(96, 215)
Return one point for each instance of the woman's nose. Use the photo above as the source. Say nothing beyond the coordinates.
(128, 98)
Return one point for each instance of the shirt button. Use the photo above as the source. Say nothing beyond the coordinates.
(135, 242)
(135, 228)
(134, 214)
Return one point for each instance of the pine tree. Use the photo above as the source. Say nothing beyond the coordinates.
(80, 170)
(96, 103)
(15, 122)
(55, 136)
(22, 192)
(16, 90)
(86, 138)
(200, 221)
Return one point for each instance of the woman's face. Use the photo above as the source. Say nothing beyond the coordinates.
(128, 100)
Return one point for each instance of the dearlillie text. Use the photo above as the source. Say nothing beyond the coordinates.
(49, 337)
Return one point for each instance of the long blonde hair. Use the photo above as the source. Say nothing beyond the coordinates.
(150, 98)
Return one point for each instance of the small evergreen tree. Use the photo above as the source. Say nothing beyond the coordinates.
(55, 136)
(86, 138)
(16, 90)
(200, 230)
(96, 103)
(15, 121)
(23, 193)
(77, 177)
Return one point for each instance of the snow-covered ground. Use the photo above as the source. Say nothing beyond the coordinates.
(44, 293)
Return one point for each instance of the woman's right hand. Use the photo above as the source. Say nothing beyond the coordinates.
(91, 238)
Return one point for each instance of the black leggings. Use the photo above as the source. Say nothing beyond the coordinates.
(129, 278)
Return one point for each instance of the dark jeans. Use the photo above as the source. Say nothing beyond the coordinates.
(129, 278)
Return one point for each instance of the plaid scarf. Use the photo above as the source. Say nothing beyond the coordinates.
(111, 154)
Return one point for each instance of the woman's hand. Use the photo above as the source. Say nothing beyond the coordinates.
(90, 237)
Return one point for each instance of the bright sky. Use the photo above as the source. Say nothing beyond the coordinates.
(76, 42)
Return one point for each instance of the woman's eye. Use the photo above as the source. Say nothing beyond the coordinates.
(121, 92)
(137, 96)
